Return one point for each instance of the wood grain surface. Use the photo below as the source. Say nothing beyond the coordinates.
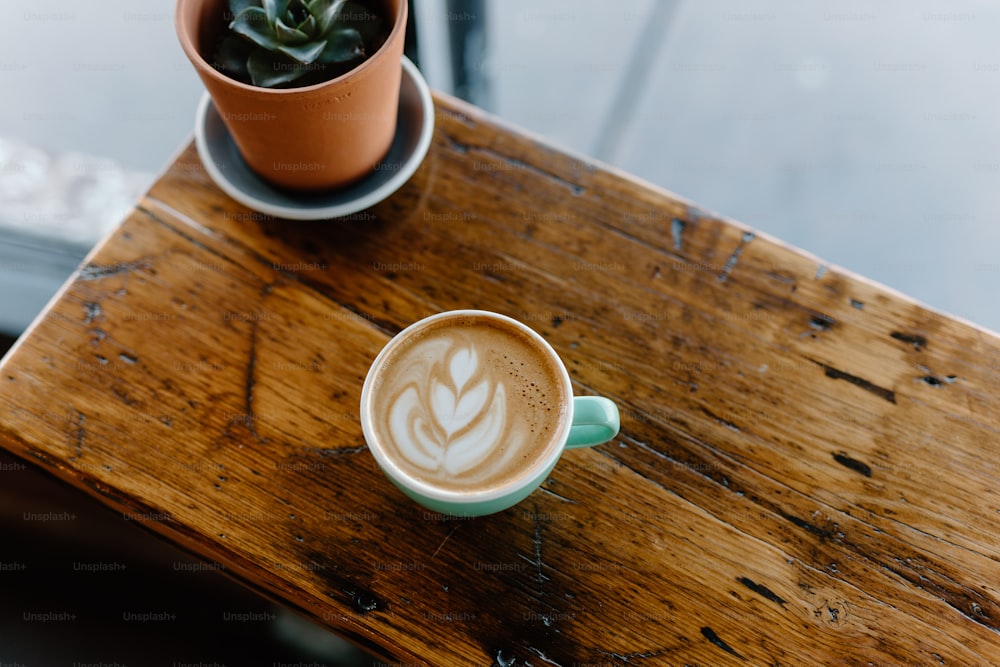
(807, 471)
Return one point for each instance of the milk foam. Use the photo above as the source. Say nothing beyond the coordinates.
(448, 423)
(466, 408)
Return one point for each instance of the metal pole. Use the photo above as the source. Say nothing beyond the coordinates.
(467, 39)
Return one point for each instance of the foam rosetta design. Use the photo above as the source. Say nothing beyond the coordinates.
(450, 420)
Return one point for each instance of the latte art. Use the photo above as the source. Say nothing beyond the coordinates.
(467, 404)
(449, 419)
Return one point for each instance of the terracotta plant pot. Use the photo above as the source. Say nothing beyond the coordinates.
(317, 137)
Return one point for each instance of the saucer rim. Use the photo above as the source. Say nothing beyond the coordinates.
(408, 165)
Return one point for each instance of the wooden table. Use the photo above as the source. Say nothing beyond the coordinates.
(807, 471)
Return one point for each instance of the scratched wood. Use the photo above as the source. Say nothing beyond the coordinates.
(807, 471)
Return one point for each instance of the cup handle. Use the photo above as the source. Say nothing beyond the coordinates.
(595, 420)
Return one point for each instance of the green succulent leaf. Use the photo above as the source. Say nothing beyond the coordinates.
(275, 9)
(330, 10)
(269, 70)
(237, 6)
(231, 56)
(289, 36)
(315, 7)
(299, 8)
(309, 25)
(252, 23)
(343, 46)
(304, 53)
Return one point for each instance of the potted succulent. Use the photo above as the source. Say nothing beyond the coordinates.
(308, 89)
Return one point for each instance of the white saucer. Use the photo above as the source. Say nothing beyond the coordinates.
(226, 167)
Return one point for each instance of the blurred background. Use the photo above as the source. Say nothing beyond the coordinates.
(867, 135)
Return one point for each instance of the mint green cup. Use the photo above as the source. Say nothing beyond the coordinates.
(587, 421)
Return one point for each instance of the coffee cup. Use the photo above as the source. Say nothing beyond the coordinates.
(468, 411)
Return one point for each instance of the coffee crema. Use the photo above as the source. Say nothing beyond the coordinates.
(467, 403)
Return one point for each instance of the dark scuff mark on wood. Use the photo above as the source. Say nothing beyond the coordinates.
(540, 577)
(822, 322)
(251, 383)
(132, 510)
(935, 381)
(677, 231)
(456, 145)
(881, 392)
(780, 277)
(853, 464)
(628, 657)
(91, 311)
(446, 538)
(98, 271)
(762, 591)
(43, 457)
(548, 661)
(184, 235)
(552, 493)
(495, 277)
(122, 395)
(79, 433)
(703, 467)
(733, 258)
(709, 634)
(932, 379)
(964, 598)
(725, 422)
(919, 342)
(823, 534)
(503, 658)
(364, 601)
(335, 451)
(536, 539)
